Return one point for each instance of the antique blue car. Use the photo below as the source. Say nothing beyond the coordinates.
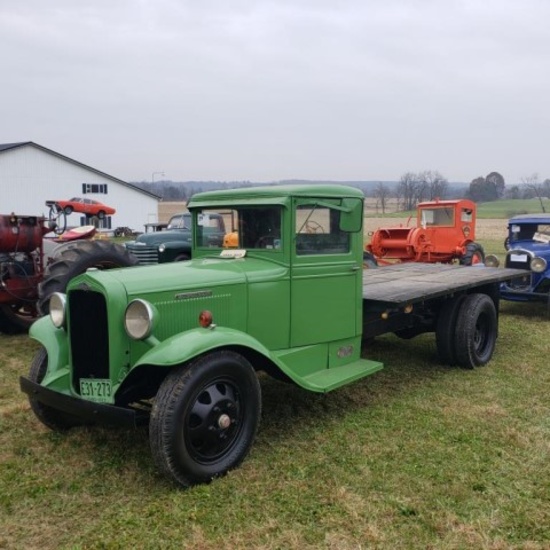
(528, 247)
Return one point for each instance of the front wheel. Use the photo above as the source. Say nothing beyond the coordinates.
(52, 418)
(205, 417)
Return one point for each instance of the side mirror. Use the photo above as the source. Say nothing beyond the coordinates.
(351, 219)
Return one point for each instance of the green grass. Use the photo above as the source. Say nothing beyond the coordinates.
(509, 208)
(416, 456)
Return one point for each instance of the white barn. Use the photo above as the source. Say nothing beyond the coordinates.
(30, 175)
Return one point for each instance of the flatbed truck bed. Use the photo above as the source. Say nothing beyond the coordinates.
(409, 283)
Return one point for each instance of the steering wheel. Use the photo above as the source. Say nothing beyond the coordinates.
(314, 227)
(57, 219)
(266, 241)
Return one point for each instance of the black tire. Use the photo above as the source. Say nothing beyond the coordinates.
(52, 418)
(507, 243)
(205, 417)
(476, 331)
(76, 259)
(369, 260)
(68, 210)
(445, 330)
(182, 258)
(474, 254)
(17, 318)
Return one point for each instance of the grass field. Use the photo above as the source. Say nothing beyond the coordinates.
(417, 456)
(501, 209)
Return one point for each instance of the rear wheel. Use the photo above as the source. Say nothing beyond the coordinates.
(445, 331)
(16, 318)
(53, 418)
(474, 255)
(476, 331)
(205, 417)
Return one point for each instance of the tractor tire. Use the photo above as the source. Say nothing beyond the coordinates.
(17, 318)
(474, 255)
(75, 260)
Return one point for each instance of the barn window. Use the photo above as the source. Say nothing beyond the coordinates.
(98, 188)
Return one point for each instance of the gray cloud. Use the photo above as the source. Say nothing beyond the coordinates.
(272, 90)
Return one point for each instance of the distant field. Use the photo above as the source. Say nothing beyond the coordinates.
(497, 209)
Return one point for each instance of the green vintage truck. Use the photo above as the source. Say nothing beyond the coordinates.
(179, 345)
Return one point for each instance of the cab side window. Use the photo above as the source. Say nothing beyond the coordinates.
(318, 231)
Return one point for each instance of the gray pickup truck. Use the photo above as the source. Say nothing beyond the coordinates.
(174, 243)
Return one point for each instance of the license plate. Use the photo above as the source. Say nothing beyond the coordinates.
(518, 257)
(96, 389)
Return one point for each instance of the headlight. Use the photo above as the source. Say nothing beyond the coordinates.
(162, 248)
(538, 265)
(58, 302)
(491, 260)
(139, 319)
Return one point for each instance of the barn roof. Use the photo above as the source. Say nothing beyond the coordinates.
(8, 146)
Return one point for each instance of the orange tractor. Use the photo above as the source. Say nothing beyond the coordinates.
(444, 232)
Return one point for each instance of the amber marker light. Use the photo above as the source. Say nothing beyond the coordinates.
(205, 318)
(408, 308)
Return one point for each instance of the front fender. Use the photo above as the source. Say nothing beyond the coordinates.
(187, 345)
(54, 340)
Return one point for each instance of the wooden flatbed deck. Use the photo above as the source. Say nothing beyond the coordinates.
(407, 283)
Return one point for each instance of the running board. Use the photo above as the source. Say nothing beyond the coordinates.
(329, 379)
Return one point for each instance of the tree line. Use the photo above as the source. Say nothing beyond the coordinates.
(428, 185)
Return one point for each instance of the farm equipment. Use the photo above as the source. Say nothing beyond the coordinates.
(32, 267)
(444, 233)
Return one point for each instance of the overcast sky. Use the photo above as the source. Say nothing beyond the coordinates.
(271, 90)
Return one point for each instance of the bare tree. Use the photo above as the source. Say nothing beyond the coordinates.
(408, 190)
(435, 184)
(537, 189)
(496, 179)
(382, 193)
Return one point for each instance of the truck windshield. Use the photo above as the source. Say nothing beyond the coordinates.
(527, 232)
(248, 227)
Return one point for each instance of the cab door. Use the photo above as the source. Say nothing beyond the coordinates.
(326, 274)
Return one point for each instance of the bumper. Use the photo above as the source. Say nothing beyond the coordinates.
(88, 411)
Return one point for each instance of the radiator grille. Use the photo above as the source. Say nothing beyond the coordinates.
(144, 253)
(89, 336)
(519, 259)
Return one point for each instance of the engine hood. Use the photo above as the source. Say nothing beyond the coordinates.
(195, 274)
(537, 249)
(160, 237)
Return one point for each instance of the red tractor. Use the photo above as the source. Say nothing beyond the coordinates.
(32, 268)
(444, 232)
